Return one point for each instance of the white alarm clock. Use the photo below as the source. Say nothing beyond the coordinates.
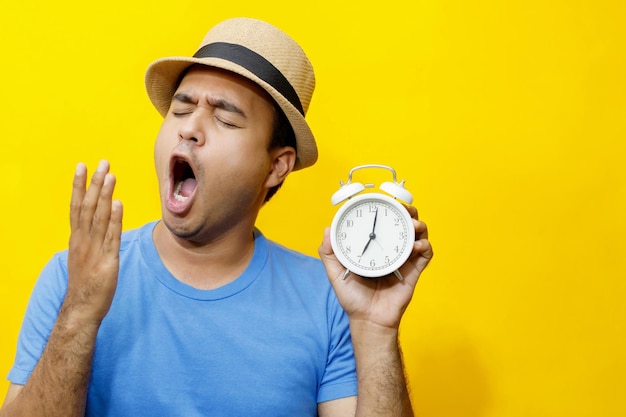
(372, 234)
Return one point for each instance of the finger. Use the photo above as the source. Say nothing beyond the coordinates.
(102, 215)
(78, 194)
(412, 211)
(334, 270)
(419, 260)
(113, 235)
(421, 230)
(90, 201)
(425, 250)
(325, 248)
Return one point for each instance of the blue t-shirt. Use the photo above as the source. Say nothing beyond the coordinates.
(274, 342)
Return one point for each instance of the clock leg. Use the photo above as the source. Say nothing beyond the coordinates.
(345, 274)
(399, 275)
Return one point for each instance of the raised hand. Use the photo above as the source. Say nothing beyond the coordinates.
(93, 258)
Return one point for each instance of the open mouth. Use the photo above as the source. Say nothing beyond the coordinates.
(183, 180)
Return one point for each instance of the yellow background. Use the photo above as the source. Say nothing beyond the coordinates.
(506, 118)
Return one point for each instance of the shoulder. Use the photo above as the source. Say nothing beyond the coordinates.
(279, 250)
(294, 262)
(300, 274)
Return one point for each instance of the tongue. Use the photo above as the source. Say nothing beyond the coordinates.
(188, 186)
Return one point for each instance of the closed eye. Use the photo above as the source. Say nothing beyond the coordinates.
(182, 104)
(225, 123)
(180, 113)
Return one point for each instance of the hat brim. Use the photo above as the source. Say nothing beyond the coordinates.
(161, 82)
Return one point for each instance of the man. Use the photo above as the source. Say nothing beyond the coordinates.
(198, 314)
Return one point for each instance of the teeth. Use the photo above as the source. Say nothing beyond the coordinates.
(177, 195)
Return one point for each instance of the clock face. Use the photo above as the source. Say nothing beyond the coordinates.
(372, 235)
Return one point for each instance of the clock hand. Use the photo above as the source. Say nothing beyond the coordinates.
(366, 246)
(374, 226)
(372, 235)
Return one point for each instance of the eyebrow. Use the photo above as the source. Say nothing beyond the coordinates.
(219, 103)
(183, 98)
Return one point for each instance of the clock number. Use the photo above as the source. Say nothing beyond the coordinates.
(348, 249)
(349, 223)
(372, 208)
(343, 235)
(387, 260)
(396, 221)
(359, 213)
(396, 249)
(402, 235)
(372, 263)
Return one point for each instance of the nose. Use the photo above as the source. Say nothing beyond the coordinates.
(192, 129)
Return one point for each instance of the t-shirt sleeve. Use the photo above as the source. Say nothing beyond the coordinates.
(339, 379)
(41, 314)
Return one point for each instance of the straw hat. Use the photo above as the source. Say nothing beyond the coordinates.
(259, 52)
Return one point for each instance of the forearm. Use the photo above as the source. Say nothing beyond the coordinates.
(382, 388)
(58, 385)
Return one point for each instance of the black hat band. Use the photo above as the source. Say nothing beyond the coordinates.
(254, 63)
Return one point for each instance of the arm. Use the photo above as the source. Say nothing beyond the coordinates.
(59, 382)
(375, 308)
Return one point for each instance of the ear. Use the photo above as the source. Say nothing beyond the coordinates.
(283, 161)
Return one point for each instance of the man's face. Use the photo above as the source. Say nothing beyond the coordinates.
(211, 155)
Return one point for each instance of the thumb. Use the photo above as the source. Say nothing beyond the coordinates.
(325, 249)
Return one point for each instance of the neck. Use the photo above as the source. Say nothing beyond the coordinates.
(208, 265)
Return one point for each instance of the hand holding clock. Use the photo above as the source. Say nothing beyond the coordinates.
(380, 301)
